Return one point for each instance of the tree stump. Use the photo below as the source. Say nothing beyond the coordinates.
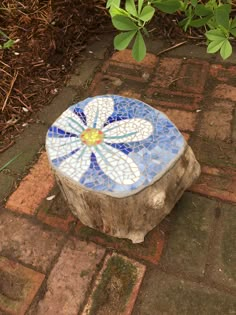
(121, 164)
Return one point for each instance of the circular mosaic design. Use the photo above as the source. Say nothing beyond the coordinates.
(114, 145)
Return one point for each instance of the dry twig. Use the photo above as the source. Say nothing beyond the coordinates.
(171, 48)
(9, 92)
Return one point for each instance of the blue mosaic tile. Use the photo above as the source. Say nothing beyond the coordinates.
(113, 145)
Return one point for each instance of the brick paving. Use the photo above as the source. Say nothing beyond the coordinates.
(70, 277)
(19, 285)
(112, 287)
(29, 194)
(51, 264)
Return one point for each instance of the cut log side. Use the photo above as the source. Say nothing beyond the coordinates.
(134, 216)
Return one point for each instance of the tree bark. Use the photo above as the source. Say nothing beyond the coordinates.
(134, 216)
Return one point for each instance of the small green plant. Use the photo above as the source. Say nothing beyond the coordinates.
(10, 161)
(8, 41)
(132, 18)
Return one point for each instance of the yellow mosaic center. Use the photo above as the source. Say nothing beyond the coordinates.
(92, 136)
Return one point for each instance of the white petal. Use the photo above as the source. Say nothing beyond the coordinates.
(98, 110)
(116, 165)
(77, 164)
(128, 130)
(58, 147)
(70, 122)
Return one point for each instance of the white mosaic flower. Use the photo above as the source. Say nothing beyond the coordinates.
(94, 138)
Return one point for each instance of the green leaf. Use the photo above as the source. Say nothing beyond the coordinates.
(186, 22)
(123, 23)
(199, 22)
(201, 10)
(112, 2)
(168, 6)
(226, 50)
(183, 22)
(147, 13)
(233, 23)
(139, 48)
(233, 27)
(233, 31)
(194, 3)
(222, 15)
(114, 10)
(8, 44)
(131, 7)
(214, 46)
(122, 40)
(215, 35)
(140, 6)
(184, 5)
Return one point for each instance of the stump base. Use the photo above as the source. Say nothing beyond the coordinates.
(134, 216)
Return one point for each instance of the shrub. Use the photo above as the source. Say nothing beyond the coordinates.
(131, 17)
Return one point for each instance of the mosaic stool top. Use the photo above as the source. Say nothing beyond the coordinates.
(113, 145)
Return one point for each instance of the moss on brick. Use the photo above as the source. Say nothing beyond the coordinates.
(115, 287)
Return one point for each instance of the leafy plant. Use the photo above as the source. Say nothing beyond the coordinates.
(132, 18)
(8, 41)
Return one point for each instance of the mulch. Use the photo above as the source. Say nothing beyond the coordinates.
(50, 35)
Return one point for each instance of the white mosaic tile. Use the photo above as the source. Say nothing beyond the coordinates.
(114, 145)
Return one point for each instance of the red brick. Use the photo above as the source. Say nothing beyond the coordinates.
(215, 153)
(175, 99)
(56, 213)
(130, 93)
(33, 188)
(18, 286)
(224, 106)
(125, 71)
(166, 72)
(177, 293)
(218, 183)
(225, 91)
(215, 69)
(28, 242)
(101, 85)
(190, 226)
(70, 278)
(183, 120)
(123, 65)
(62, 224)
(221, 73)
(223, 251)
(150, 249)
(114, 287)
(125, 56)
(192, 76)
(216, 125)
